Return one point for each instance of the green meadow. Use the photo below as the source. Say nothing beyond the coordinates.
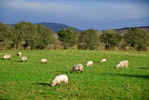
(31, 80)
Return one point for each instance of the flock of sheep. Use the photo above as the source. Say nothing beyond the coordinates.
(79, 68)
(76, 68)
(23, 58)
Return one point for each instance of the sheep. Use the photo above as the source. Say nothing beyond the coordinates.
(44, 60)
(123, 63)
(59, 79)
(77, 67)
(24, 58)
(89, 63)
(7, 56)
(118, 66)
(103, 60)
(19, 54)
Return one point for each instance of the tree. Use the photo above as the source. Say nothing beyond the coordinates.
(27, 33)
(88, 39)
(68, 37)
(6, 35)
(34, 36)
(110, 38)
(136, 38)
(43, 37)
(15, 37)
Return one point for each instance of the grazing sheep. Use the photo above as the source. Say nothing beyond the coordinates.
(89, 63)
(118, 66)
(19, 54)
(24, 58)
(59, 79)
(77, 67)
(7, 56)
(44, 60)
(122, 64)
(103, 60)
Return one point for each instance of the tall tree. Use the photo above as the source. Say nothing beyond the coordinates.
(136, 38)
(27, 32)
(88, 39)
(6, 35)
(43, 37)
(34, 36)
(110, 38)
(68, 37)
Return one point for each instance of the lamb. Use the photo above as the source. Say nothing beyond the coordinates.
(59, 79)
(103, 60)
(77, 67)
(44, 60)
(24, 58)
(19, 54)
(89, 63)
(123, 63)
(7, 56)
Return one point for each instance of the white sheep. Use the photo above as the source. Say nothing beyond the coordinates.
(118, 66)
(7, 56)
(19, 54)
(44, 60)
(89, 63)
(103, 60)
(24, 58)
(77, 67)
(122, 64)
(59, 79)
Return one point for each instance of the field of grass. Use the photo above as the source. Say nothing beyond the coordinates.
(30, 80)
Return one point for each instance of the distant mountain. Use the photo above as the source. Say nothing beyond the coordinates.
(56, 26)
(146, 28)
(53, 26)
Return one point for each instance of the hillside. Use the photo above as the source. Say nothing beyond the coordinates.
(53, 26)
(146, 28)
(56, 26)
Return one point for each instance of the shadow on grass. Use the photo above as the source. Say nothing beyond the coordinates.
(18, 61)
(130, 75)
(1, 59)
(59, 72)
(143, 68)
(5, 60)
(43, 84)
(3, 99)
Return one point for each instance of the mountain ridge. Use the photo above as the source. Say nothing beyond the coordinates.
(58, 26)
(53, 26)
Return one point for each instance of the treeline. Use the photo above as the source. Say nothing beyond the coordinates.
(26, 35)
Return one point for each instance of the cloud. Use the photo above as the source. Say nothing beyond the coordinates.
(88, 12)
(34, 5)
(79, 9)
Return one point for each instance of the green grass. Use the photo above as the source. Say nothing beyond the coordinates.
(30, 80)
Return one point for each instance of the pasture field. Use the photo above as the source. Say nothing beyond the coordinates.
(30, 80)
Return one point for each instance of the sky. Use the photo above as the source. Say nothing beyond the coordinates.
(82, 14)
